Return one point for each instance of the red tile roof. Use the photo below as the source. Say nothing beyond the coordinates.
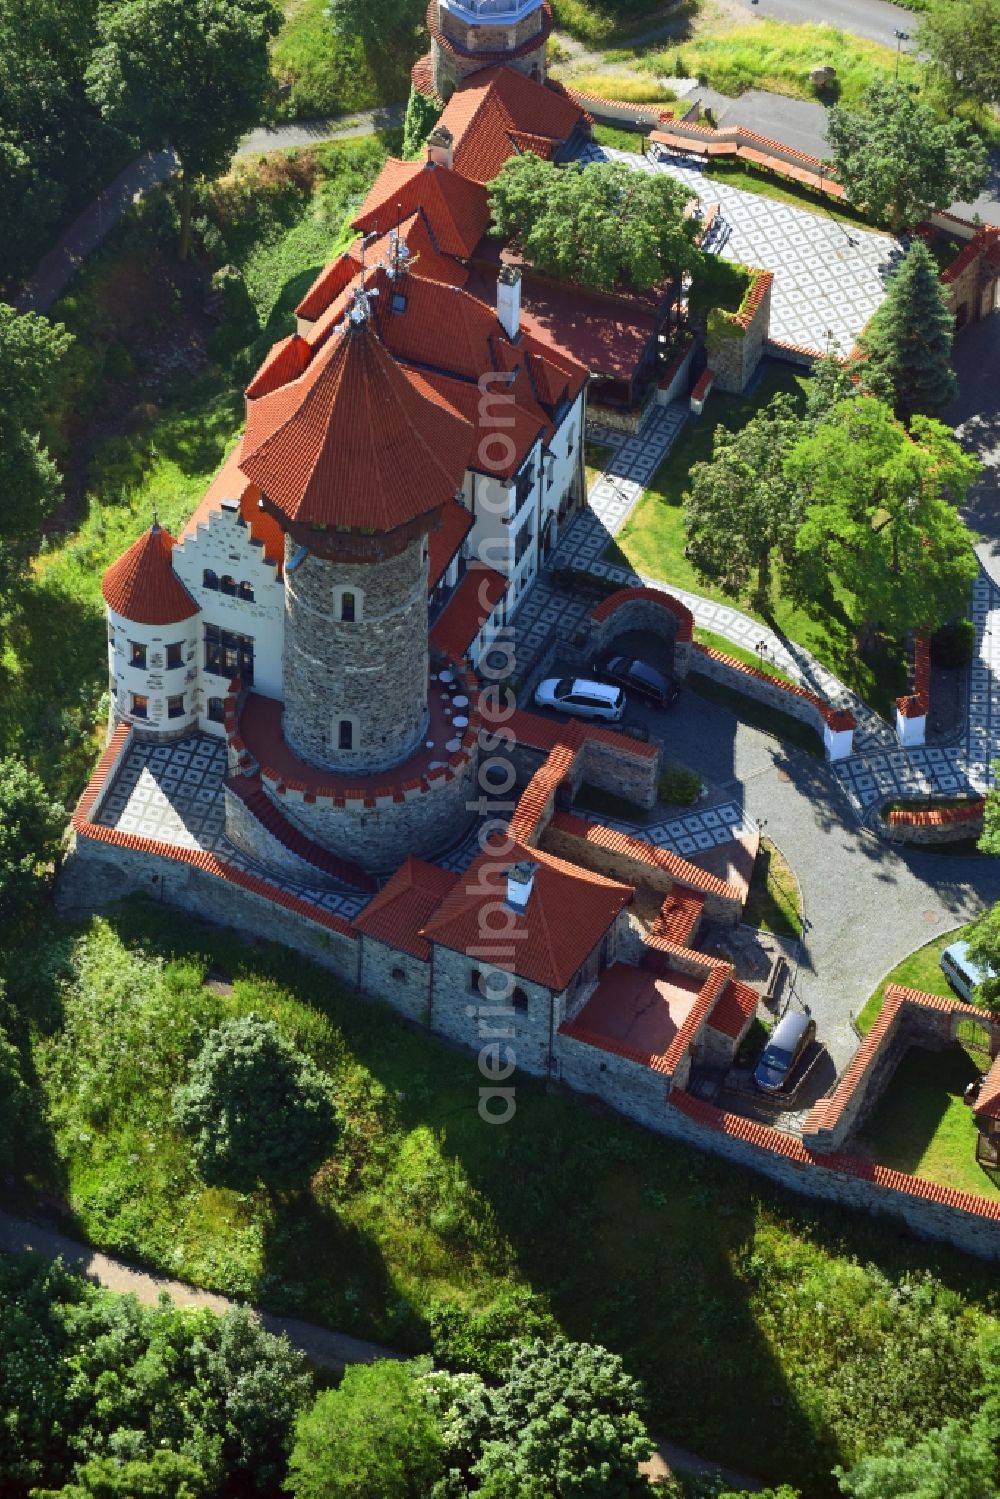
(354, 442)
(231, 484)
(520, 424)
(455, 207)
(611, 840)
(443, 542)
(734, 1009)
(987, 1105)
(679, 916)
(142, 585)
(666, 601)
(465, 613)
(568, 912)
(405, 903)
(493, 106)
(331, 281)
(287, 358)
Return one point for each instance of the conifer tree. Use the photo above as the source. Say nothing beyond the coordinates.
(907, 345)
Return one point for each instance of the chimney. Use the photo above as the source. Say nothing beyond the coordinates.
(509, 300)
(520, 880)
(441, 147)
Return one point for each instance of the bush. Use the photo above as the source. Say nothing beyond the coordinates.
(679, 786)
(953, 645)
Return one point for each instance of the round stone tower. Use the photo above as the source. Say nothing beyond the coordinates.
(467, 35)
(355, 460)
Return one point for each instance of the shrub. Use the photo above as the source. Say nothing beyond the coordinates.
(953, 645)
(679, 786)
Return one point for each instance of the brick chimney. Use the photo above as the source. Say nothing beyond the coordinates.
(441, 147)
(509, 300)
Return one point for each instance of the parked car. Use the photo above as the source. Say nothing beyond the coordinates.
(644, 680)
(788, 1041)
(581, 697)
(963, 975)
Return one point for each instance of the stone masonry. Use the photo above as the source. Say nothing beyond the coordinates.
(368, 673)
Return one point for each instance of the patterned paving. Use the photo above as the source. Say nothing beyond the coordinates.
(695, 832)
(829, 277)
(173, 793)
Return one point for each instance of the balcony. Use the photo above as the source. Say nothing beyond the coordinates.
(490, 12)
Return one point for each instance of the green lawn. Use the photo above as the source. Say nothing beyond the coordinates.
(778, 56)
(653, 540)
(327, 73)
(740, 174)
(921, 1125)
(921, 970)
(428, 1229)
(774, 903)
(739, 653)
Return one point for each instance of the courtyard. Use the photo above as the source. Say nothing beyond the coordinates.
(829, 277)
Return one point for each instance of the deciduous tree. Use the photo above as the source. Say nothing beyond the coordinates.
(907, 344)
(881, 518)
(373, 1435)
(598, 226)
(30, 825)
(899, 158)
(191, 74)
(256, 1109)
(570, 1415)
(742, 511)
(954, 1461)
(962, 38)
(983, 937)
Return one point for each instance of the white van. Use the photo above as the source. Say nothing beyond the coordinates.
(963, 975)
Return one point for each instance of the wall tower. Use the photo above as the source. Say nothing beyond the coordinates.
(467, 35)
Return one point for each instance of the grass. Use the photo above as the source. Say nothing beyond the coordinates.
(777, 56)
(743, 175)
(774, 903)
(594, 21)
(618, 138)
(166, 441)
(921, 1125)
(921, 970)
(653, 539)
(596, 457)
(758, 715)
(327, 73)
(769, 1330)
(623, 86)
(740, 653)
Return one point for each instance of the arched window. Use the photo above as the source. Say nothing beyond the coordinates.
(347, 607)
(246, 592)
(345, 734)
(209, 579)
(228, 585)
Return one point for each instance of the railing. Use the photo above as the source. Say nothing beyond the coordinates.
(484, 10)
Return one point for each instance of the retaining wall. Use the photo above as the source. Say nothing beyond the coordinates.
(835, 726)
(947, 825)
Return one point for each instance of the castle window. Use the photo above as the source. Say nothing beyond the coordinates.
(209, 579)
(140, 705)
(137, 655)
(519, 999)
(111, 633)
(345, 734)
(228, 585)
(476, 981)
(228, 654)
(217, 710)
(175, 655)
(175, 706)
(399, 974)
(347, 607)
(246, 592)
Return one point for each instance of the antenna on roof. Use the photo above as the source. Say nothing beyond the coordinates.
(156, 519)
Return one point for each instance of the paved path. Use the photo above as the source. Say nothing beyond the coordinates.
(874, 19)
(331, 1350)
(97, 220)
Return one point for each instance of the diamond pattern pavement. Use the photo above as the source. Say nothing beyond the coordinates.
(173, 793)
(829, 277)
(693, 833)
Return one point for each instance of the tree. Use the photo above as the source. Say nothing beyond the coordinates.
(165, 1475)
(371, 1438)
(15, 1096)
(880, 517)
(963, 41)
(422, 114)
(901, 158)
(742, 511)
(989, 840)
(255, 1108)
(191, 74)
(983, 937)
(953, 1461)
(598, 226)
(570, 1415)
(31, 351)
(30, 827)
(907, 344)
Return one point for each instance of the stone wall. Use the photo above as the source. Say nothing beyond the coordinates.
(97, 874)
(735, 341)
(460, 1011)
(944, 825)
(370, 671)
(479, 38)
(644, 608)
(378, 829)
(613, 769)
(632, 1088)
(833, 725)
(398, 978)
(244, 830)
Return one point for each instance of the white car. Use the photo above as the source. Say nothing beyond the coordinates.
(581, 697)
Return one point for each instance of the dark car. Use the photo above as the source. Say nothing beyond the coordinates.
(641, 678)
(788, 1041)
